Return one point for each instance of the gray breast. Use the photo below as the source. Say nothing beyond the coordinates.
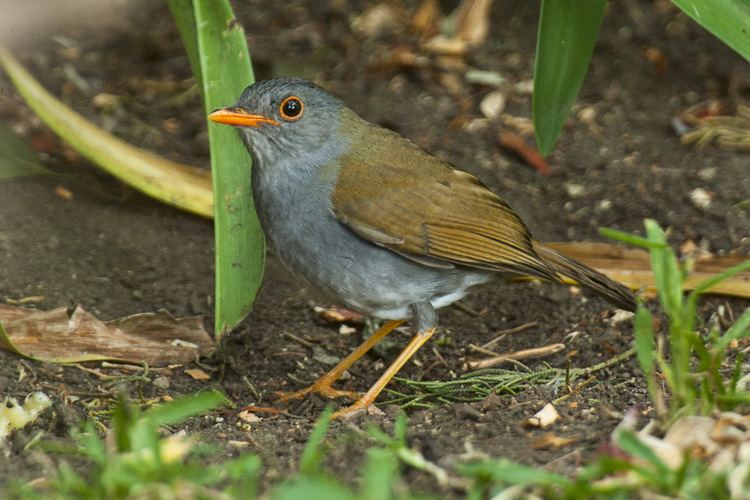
(293, 203)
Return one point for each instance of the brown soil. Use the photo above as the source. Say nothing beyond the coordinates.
(117, 252)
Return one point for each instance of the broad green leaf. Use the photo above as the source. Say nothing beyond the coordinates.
(16, 158)
(565, 42)
(729, 20)
(226, 71)
(183, 15)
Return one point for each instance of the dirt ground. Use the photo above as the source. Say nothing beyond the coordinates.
(117, 252)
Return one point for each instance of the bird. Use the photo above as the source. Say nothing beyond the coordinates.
(378, 224)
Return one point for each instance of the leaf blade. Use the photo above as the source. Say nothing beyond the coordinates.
(565, 42)
(240, 248)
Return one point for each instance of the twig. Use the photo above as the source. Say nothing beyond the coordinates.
(537, 352)
(299, 340)
(516, 329)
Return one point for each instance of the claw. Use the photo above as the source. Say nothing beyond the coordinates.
(323, 390)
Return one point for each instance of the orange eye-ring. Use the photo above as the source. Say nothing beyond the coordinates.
(291, 108)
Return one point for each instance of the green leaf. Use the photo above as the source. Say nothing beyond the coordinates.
(378, 474)
(311, 488)
(709, 283)
(184, 17)
(312, 456)
(16, 158)
(740, 329)
(226, 71)
(629, 442)
(565, 42)
(667, 273)
(644, 339)
(507, 472)
(176, 411)
(729, 20)
(630, 239)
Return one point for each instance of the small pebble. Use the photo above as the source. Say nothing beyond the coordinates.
(575, 190)
(700, 198)
(707, 174)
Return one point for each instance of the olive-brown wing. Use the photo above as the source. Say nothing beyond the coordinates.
(436, 215)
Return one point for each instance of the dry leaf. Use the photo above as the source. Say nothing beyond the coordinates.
(550, 441)
(426, 20)
(473, 21)
(198, 374)
(443, 45)
(335, 314)
(377, 20)
(59, 337)
(248, 416)
(530, 154)
(632, 267)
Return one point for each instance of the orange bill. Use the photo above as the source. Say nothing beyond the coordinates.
(239, 117)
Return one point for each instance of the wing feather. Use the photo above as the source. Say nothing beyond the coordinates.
(421, 207)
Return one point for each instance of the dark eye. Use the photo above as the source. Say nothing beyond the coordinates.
(291, 108)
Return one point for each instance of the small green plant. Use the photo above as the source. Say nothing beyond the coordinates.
(134, 461)
(692, 366)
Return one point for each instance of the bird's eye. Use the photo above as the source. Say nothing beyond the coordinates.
(291, 108)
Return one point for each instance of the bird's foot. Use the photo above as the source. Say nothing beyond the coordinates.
(361, 405)
(324, 389)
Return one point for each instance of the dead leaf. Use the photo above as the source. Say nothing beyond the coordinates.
(248, 416)
(336, 314)
(59, 337)
(64, 193)
(632, 267)
(198, 374)
(473, 21)
(442, 45)
(426, 20)
(377, 20)
(530, 155)
(550, 441)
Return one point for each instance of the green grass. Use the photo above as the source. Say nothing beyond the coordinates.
(693, 366)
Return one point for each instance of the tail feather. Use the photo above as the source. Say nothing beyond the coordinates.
(586, 277)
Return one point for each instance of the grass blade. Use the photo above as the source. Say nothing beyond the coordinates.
(740, 328)
(226, 71)
(312, 456)
(729, 20)
(565, 42)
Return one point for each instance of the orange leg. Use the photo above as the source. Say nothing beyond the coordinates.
(369, 397)
(324, 384)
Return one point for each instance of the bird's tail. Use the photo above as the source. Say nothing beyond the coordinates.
(586, 277)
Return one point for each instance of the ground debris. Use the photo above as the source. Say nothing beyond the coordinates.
(70, 337)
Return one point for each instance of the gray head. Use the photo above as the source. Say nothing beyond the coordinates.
(283, 118)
